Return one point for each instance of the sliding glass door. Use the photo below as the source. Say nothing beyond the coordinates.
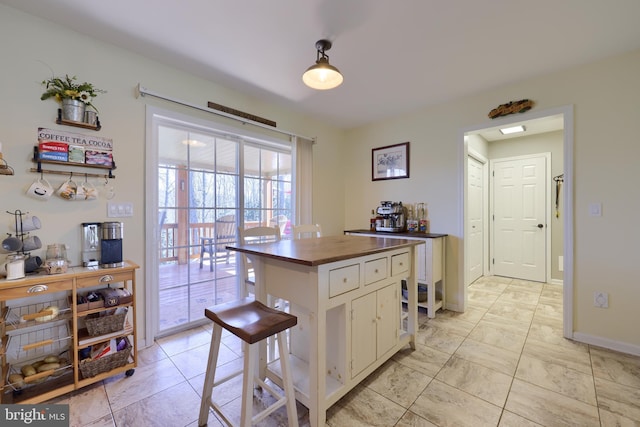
(207, 184)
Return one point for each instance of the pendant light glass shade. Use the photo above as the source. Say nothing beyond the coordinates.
(322, 75)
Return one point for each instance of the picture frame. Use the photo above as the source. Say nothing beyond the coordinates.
(390, 162)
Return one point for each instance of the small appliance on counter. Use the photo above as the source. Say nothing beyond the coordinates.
(391, 217)
(90, 244)
(102, 244)
(111, 245)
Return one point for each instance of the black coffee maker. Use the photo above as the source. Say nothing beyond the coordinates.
(111, 245)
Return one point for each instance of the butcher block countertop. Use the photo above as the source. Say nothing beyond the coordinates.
(323, 250)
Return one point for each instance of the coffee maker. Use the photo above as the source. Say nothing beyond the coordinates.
(111, 245)
(391, 217)
(102, 244)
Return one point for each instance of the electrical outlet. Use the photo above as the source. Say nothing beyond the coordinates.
(601, 299)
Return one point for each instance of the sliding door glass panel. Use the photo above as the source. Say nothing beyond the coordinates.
(206, 190)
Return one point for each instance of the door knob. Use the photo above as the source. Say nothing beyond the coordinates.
(539, 226)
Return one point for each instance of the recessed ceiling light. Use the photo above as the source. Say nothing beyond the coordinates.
(193, 143)
(513, 129)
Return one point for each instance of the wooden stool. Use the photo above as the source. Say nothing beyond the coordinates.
(252, 322)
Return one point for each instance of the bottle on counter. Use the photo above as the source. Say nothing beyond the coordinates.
(422, 218)
(372, 221)
(412, 222)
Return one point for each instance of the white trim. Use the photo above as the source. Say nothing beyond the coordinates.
(143, 91)
(620, 346)
(567, 199)
(558, 282)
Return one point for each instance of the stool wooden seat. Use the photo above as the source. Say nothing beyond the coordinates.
(252, 322)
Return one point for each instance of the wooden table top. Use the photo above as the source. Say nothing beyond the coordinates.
(323, 250)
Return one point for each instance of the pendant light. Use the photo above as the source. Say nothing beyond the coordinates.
(322, 75)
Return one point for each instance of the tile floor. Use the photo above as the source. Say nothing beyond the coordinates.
(501, 363)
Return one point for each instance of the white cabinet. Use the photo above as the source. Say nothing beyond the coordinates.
(374, 326)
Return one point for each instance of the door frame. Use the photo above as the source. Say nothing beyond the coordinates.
(567, 201)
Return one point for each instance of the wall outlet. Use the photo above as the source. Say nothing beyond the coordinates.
(601, 299)
(560, 263)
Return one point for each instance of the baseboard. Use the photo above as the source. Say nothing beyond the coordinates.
(557, 282)
(622, 347)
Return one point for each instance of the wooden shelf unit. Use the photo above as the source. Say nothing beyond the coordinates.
(24, 338)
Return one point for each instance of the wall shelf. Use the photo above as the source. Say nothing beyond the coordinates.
(107, 169)
(61, 121)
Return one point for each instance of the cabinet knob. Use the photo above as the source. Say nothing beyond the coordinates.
(376, 271)
(344, 280)
(37, 288)
(106, 278)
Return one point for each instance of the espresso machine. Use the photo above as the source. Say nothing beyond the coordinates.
(102, 244)
(391, 217)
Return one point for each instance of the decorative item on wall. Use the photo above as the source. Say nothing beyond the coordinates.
(511, 108)
(74, 99)
(390, 162)
(5, 169)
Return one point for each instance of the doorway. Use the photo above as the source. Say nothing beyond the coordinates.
(558, 119)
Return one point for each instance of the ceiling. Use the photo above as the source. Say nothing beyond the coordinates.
(396, 56)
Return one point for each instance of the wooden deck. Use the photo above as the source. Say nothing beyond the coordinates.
(185, 290)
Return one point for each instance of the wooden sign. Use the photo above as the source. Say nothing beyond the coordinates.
(511, 108)
(242, 114)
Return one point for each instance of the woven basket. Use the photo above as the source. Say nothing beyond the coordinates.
(91, 368)
(105, 324)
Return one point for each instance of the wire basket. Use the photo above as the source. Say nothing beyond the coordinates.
(102, 325)
(90, 368)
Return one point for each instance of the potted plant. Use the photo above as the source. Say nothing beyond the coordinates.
(73, 96)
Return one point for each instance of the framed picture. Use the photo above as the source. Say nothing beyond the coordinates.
(390, 162)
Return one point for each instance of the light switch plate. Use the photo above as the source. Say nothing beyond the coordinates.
(595, 209)
(119, 210)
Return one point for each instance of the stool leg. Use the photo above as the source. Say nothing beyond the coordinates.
(205, 403)
(250, 359)
(287, 379)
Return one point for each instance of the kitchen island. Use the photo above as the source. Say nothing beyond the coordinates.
(430, 264)
(346, 292)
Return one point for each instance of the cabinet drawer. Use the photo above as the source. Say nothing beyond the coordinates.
(375, 270)
(399, 263)
(45, 287)
(344, 279)
(104, 279)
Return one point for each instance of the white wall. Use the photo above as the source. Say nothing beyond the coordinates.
(606, 109)
(31, 45)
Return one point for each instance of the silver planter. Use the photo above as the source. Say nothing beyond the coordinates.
(73, 109)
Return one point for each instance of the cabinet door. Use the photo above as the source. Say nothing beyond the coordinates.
(388, 320)
(363, 332)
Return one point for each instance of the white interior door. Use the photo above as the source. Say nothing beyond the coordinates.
(519, 217)
(475, 211)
